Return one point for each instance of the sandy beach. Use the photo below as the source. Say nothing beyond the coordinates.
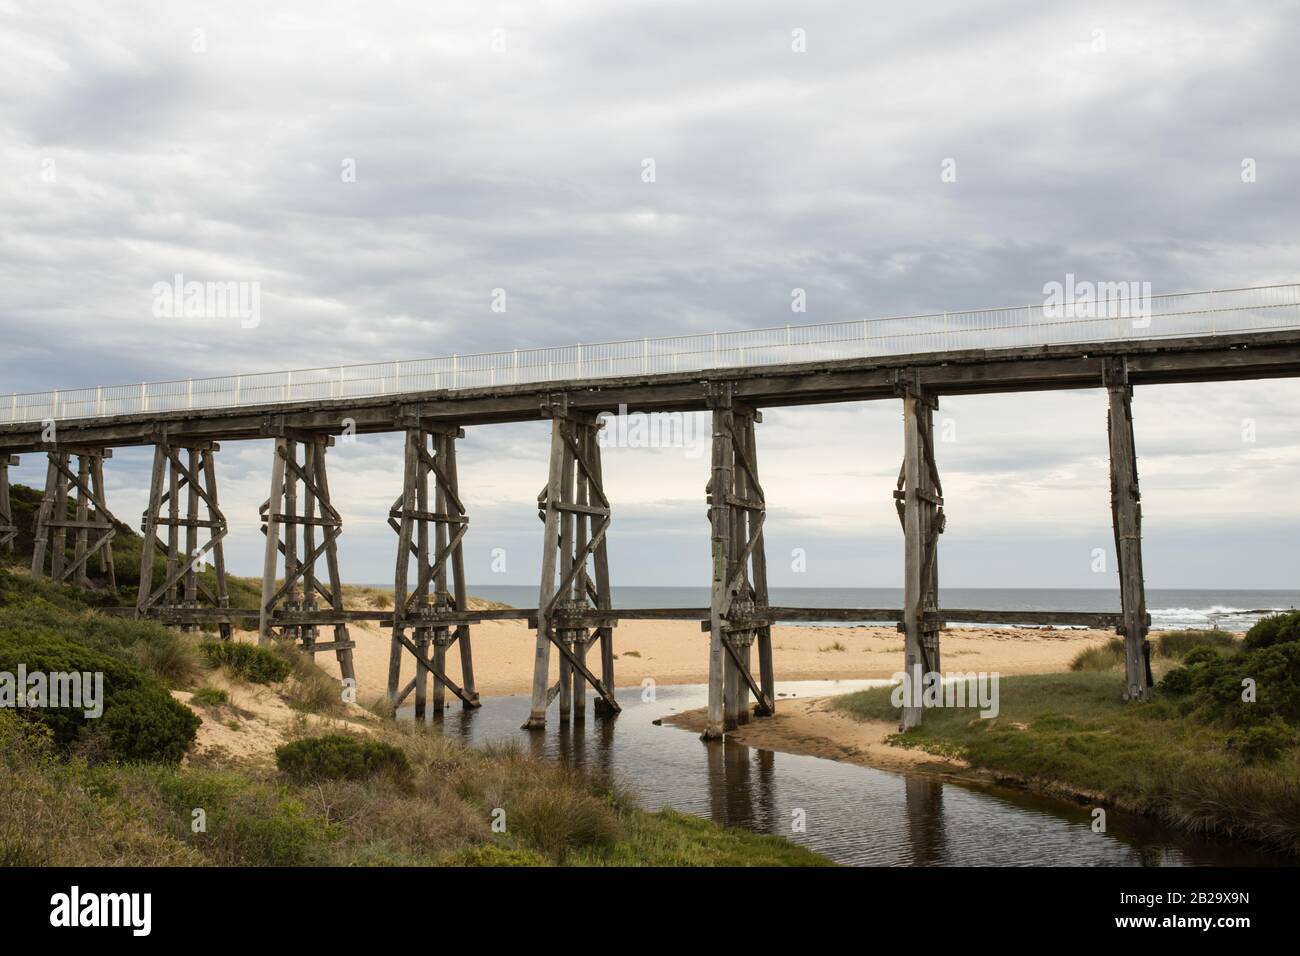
(676, 652)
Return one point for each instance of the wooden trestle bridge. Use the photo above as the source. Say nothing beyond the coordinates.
(1197, 337)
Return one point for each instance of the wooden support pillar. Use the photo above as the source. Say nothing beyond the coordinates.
(919, 500)
(1126, 518)
(183, 465)
(431, 524)
(575, 513)
(87, 517)
(738, 598)
(289, 609)
(8, 530)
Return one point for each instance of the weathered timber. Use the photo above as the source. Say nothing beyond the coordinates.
(575, 515)
(738, 592)
(302, 589)
(1126, 517)
(919, 499)
(181, 466)
(1228, 357)
(857, 616)
(433, 537)
(93, 528)
(8, 530)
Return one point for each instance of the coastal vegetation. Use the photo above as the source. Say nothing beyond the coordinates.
(345, 788)
(1216, 751)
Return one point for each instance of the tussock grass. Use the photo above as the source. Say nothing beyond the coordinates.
(210, 697)
(309, 688)
(1176, 644)
(1104, 657)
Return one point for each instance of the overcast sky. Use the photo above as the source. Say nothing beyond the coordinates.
(502, 146)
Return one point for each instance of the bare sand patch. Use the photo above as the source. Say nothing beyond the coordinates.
(255, 720)
(812, 727)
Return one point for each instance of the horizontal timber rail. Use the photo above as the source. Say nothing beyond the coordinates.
(600, 618)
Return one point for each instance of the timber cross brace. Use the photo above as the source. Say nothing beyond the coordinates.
(919, 500)
(431, 524)
(186, 467)
(293, 607)
(738, 594)
(8, 530)
(575, 512)
(93, 527)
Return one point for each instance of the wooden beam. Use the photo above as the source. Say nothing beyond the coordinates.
(1126, 514)
(1231, 357)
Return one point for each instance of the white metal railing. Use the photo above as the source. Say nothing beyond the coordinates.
(1256, 309)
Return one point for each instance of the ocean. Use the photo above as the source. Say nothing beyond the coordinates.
(1170, 608)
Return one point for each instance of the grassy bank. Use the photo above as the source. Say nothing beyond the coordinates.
(115, 791)
(1182, 758)
(62, 810)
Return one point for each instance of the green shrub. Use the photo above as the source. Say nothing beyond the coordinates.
(1270, 631)
(259, 665)
(146, 724)
(1262, 743)
(140, 720)
(341, 757)
(1213, 683)
(1201, 654)
(1178, 682)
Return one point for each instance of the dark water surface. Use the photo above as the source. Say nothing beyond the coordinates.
(854, 815)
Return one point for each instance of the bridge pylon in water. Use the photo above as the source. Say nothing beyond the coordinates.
(183, 470)
(576, 513)
(431, 523)
(298, 607)
(93, 527)
(739, 596)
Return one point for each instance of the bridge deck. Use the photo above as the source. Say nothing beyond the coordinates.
(1228, 357)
